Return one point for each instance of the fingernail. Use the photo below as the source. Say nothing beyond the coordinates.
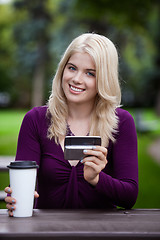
(85, 151)
(94, 147)
(81, 160)
(9, 190)
(13, 201)
(12, 208)
(11, 214)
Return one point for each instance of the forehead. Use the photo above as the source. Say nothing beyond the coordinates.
(82, 59)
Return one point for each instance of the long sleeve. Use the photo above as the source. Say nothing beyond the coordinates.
(28, 147)
(122, 187)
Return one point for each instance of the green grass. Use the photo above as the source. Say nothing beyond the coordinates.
(149, 175)
(10, 122)
(149, 170)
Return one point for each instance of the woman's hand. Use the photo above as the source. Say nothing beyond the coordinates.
(94, 164)
(10, 202)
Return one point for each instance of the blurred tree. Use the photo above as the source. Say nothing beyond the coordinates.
(43, 29)
(67, 27)
(155, 78)
(130, 25)
(7, 47)
(32, 39)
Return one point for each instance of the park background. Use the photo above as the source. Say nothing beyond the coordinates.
(33, 37)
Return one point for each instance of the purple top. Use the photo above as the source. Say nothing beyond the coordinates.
(61, 185)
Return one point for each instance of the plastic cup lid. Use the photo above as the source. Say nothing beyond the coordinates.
(23, 165)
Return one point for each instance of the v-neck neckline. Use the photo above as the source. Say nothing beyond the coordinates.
(70, 133)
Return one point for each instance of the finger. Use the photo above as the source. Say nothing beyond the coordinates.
(96, 153)
(10, 213)
(91, 159)
(97, 148)
(36, 195)
(98, 164)
(10, 200)
(10, 207)
(101, 149)
(8, 190)
(95, 167)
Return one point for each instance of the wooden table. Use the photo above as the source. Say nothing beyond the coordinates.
(85, 224)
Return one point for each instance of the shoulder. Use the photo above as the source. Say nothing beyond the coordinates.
(125, 118)
(37, 113)
(36, 121)
(36, 117)
(123, 114)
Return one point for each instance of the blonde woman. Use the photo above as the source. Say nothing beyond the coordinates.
(85, 100)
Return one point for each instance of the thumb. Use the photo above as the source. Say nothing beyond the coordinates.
(36, 195)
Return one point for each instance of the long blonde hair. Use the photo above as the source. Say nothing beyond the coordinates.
(104, 120)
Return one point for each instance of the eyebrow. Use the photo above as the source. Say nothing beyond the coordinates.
(88, 69)
(72, 64)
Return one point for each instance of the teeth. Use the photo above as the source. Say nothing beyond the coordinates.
(76, 89)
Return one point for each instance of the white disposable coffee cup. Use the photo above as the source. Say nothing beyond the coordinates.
(22, 182)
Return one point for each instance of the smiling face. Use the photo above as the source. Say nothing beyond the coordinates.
(79, 79)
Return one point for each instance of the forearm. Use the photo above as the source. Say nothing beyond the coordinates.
(122, 192)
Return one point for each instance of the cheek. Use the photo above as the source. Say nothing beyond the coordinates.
(65, 77)
(63, 84)
(93, 86)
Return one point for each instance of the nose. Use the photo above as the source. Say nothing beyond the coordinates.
(78, 79)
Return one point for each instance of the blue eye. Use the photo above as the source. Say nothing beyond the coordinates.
(90, 74)
(72, 68)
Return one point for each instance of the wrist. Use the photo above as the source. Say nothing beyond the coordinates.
(94, 181)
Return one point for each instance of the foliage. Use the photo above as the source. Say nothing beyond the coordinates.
(7, 46)
(133, 27)
(35, 34)
(30, 32)
(31, 36)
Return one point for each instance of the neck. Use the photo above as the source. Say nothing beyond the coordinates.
(79, 112)
(79, 119)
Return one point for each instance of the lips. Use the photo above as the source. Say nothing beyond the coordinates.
(76, 89)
